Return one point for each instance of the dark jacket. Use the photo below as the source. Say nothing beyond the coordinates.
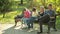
(43, 17)
(50, 12)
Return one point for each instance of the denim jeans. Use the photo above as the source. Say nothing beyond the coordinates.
(31, 20)
(25, 20)
(28, 22)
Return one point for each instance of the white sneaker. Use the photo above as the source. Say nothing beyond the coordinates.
(30, 30)
(36, 29)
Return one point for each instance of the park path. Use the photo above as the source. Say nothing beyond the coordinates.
(10, 29)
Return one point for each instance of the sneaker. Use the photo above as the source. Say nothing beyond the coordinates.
(36, 29)
(30, 30)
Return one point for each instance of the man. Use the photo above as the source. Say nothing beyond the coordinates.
(40, 13)
(52, 15)
(42, 18)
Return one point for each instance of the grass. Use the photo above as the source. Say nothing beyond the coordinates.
(58, 22)
(9, 17)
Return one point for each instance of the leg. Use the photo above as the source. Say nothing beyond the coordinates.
(31, 22)
(54, 26)
(48, 27)
(27, 22)
(40, 23)
(28, 25)
(31, 25)
(40, 27)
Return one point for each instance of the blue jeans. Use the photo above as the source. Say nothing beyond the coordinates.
(33, 19)
(28, 22)
(25, 20)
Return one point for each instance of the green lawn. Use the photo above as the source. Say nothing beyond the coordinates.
(9, 17)
(58, 22)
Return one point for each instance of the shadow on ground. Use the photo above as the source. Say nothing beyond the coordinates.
(11, 30)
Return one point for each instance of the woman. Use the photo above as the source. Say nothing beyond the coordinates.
(26, 18)
(34, 14)
(32, 19)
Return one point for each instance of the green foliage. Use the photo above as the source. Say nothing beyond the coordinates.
(5, 6)
(38, 3)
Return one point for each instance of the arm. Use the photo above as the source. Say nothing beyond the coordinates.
(54, 14)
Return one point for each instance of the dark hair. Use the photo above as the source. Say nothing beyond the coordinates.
(24, 9)
(50, 4)
(34, 9)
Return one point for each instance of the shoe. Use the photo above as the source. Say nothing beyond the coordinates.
(36, 29)
(55, 29)
(39, 32)
(30, 30)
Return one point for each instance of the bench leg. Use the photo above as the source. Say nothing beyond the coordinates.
(54, 26)
(41, 27)
(48, 28)
(15, 22)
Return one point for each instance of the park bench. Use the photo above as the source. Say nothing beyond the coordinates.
(45, 19)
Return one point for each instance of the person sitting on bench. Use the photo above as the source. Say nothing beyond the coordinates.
(52, 15)
(40, 13)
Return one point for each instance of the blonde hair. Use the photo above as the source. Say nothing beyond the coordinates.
(41, 6)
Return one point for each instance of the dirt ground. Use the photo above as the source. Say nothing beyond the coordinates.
(10, 29)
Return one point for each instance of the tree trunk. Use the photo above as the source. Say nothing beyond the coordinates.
(3, 15)
(21, 1)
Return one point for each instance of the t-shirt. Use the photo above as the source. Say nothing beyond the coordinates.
(27, 14)
(34, 14)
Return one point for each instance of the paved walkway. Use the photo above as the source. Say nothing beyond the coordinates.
(10, 29)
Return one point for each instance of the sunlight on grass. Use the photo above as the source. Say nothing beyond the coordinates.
(9, 18)
(58, 22)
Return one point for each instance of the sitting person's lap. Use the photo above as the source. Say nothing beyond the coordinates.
(25, 20)
(33, 19)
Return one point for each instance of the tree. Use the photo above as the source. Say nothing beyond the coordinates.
(21, 1)
(5, 6)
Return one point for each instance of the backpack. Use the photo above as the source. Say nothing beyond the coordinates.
(27, 14)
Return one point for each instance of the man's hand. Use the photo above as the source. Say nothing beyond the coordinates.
(52, 17)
